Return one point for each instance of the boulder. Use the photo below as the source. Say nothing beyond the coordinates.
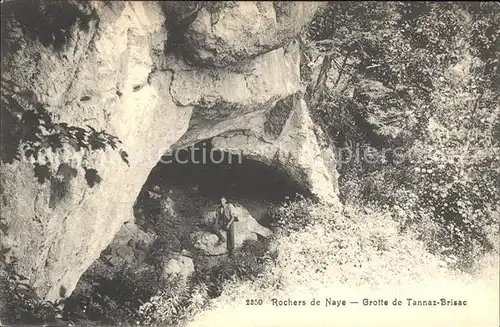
(129, 247)
(178, 266)
(225, 33)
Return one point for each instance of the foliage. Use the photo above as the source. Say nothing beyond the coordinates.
(246, 264)
(21, 304)
(419, 78)
(28, 130)
(173, 303)
(178, 301)
(292, 215)
(111, 299)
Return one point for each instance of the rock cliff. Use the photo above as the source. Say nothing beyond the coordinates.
(156, 85)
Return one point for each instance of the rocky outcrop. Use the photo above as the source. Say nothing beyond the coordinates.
(245, 229)
(105, 67)
(103, 77)
(225, 33)
(289, 145)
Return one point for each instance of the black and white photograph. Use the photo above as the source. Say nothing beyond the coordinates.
(250, 163)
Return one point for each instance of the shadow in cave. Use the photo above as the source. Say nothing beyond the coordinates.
(197, 177)
(215, 173)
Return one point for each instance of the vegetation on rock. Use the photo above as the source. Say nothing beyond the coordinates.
(28, 130)
(414, 86)
(21, 304)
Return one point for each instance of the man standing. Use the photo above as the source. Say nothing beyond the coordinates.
(214, 222)
(226, 216)
(215, 228)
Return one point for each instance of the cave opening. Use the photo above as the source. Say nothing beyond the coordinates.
(191, 182)
(197, 177)
(214, 173)
(187, 184)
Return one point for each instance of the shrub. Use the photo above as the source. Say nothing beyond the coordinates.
(173, 304)
(417, 77)
(21, 305)
(291, 215)
(176, 302)
(111, 299)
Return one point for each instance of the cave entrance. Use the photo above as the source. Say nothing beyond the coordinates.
(189, 182)
(200, 175)
(215, 173)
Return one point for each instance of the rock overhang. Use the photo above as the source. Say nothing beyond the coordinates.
(114, 75)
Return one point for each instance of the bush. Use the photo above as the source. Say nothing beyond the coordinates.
(176, 302)
(21, 305)
(173, 304)
(291, 215)
(111, 299)
(418, 78)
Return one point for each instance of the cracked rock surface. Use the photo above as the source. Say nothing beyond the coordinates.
(110, 69)
(224, 33)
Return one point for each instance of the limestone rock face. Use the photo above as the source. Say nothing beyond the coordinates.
(224, 33)
(245, 229)
(289, 145)
(103, 77)
(224, 99)
(107, 67)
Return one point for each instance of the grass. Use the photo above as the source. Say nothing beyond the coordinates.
(358, 254)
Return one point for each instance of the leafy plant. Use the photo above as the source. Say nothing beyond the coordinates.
(28, 130)
(177, 302)
(417, 77)
(292, 215)
(111, 299)
(173, 304)
(21, 304)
